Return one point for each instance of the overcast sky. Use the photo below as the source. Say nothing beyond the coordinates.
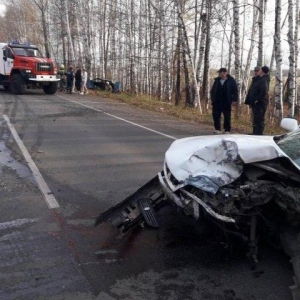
(2, 8)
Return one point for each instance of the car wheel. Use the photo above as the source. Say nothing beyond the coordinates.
(50, 88)
(18, 84)
(6, 87)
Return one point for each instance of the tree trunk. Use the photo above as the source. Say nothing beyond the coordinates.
(201, 49)
(43, 7)
(84, 35)
(278, 59)
(178, 71)
(205, 86)
(297, 94)
(237, 61)
(260, 59)
(71, 58)
(245, 80)
(292, 80)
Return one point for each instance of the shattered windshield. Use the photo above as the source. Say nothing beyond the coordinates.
(29, 52)
(290, 144)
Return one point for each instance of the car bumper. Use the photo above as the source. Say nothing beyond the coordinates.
(45, 78)
(190, 197)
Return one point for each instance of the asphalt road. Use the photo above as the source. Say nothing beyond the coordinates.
(85, 155)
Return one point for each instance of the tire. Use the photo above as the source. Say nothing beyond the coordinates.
(18, 84)
(50, 88)
(6, 87)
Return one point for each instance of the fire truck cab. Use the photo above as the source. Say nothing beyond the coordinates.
(22, 67)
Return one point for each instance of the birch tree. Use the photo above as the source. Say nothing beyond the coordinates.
(187, 52)
(201, 49)
(297, 24)
(292, 79)
(260, 58)
(178, 68)
(245, 77)
(206, 66)
(155, 47)
(19, 20)
(43, 6)
(278, 59)
(71, 60)
(82, 11)
(237, 54)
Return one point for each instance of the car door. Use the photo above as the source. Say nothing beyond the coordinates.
(8, 60)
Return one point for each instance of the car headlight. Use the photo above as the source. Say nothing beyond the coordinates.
(28, 71)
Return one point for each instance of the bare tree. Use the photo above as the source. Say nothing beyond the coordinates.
(71, 59)
(246, 74)
(157, 47)
(260, 59)
(278, 58)
(201, 48)
(187, 52)
(206, 67)
(297, 23)
(292, 79)
(237, 60)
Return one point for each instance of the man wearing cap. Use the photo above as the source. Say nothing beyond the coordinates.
(252, 87)
(222, 94)
(257, 98)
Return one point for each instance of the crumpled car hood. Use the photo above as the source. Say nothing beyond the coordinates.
(209, 162)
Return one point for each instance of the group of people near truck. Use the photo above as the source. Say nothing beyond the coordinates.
(73, 81)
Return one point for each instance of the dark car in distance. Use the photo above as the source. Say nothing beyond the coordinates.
(101, 83)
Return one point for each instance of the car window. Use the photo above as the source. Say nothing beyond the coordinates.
(290, 144)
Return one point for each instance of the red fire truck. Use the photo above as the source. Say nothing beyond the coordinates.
(22, 67)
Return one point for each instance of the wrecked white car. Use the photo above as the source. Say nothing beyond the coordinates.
(240, 182)
(233, 176)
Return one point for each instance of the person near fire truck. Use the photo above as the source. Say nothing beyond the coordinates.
(70, 80)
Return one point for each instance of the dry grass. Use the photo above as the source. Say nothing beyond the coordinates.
(240, 124)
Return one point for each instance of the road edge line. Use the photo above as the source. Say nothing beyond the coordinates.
(49, 198)
(121, 119)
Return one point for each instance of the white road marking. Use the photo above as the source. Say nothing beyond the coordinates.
(124, 120)
(15, 223)
(49, 198)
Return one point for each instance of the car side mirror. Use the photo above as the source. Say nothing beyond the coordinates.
(4, 58)
(289, 124)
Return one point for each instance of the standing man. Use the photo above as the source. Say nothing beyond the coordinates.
(257, 98)
(78, 79)
(223, 93)
(70, 80)
(83, 88)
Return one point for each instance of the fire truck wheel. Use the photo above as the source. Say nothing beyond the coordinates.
(18, 84)
(50, 88)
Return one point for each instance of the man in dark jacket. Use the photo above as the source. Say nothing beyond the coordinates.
(222, 94)
(78, 79)
(257, 98)
(70, 79)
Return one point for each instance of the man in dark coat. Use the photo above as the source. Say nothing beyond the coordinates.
(223, 93)
(257, 98)
(70, 79)
(78, 79)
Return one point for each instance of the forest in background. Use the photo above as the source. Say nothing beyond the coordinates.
(167, 49)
